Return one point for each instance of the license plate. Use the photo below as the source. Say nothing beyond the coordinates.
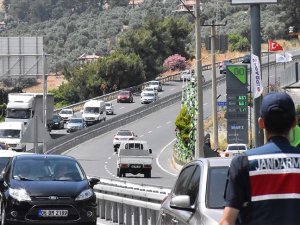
(52, 213)
(136, 166)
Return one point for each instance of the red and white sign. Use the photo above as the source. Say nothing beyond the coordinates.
(274, 46)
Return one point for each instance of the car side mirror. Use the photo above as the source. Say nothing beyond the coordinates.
(150, 151)
(93, 181)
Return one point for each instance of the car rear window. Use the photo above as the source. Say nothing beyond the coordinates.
(215, 187)
(237, 147)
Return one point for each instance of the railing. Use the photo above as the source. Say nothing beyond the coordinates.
(127, 203)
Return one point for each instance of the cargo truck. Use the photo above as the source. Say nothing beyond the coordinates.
(94, 111)
(22, 107)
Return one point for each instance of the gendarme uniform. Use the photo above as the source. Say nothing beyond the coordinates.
(264, 184)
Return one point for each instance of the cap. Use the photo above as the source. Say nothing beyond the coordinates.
(277, 101)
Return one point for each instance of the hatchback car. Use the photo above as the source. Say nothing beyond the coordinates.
(66, 114)
(109, 108)
(34, 190)
(148, 97)
(122, 135)
(125, 96)
(246, 58)
(197, 196)
(57, 122)
(75, 124)
(223, 64)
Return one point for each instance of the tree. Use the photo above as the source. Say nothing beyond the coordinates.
(174, 62)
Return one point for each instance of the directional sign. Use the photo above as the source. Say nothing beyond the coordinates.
(221, 103)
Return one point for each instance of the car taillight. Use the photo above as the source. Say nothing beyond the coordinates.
(131, 138)
(226, 154)
(147, 166)
(123, 165)
(116, 138)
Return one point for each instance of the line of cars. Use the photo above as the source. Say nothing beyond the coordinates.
(45, 189)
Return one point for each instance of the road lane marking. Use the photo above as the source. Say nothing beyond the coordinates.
(150, 131)
(142, 135)
(122, 107)
(157, 162)
(168, 122)
(158, 126)
(172, 89)
(205, 103)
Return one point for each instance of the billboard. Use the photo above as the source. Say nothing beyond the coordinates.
(21, 56)
(253, 1)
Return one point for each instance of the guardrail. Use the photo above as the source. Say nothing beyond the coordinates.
(127, 203)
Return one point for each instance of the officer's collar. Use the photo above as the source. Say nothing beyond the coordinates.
(278, 139)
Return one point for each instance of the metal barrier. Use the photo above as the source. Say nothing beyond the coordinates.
(127, 203)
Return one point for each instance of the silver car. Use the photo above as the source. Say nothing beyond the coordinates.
(75, 124)
(197, 196)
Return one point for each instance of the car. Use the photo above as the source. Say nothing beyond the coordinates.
(66, 114)
(197, 195)
(185, 75)
(122, 135)
(148, 97)
(125, 96)
(246, 58)
(57, 122)
(149, 89)
(75, 124)
(35, 191)
(155, 84)
(234, 149)
(3, 146)
(223, 64)
(109, 108)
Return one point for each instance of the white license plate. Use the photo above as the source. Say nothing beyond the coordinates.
(136, 166)
(52, 213)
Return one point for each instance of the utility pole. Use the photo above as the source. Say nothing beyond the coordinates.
(199, 146)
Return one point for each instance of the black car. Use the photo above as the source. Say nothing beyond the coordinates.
(246, 58)
(46, 189)
(57, 122)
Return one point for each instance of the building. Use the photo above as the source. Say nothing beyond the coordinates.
(186, 5)
(134, 3)
(84, 58)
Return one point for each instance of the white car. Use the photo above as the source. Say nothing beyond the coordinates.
(148, 97)
(6, 155)
(66, 114)
(121, 136)
(234, 149)
(109, 108)
(185, 75)
(155, 84)
(148, 89)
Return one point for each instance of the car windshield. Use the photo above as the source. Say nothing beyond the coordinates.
(18, 113)
(75, 120)
(10, 133)
(153, 83)
(47, 169)
(3, 162)
(65, 112)
(124, 133)
(215, 187)
(148, 89)
(56, 118)
(124, 93)
(149, 94)
(92, 110)
(236, 147)
(108, 104)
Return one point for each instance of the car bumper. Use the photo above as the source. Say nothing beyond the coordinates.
(28, 212)
(124, 100)
(109, 111)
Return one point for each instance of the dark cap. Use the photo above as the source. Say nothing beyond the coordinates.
(277, 102)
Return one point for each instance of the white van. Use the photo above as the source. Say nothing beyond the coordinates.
(11, 134)
(94, 112)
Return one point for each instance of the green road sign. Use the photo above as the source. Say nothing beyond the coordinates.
(239, 71)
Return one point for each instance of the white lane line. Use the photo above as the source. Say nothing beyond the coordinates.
(122, 107)
(157, 162)
(142, 135)
(150, 131)
(105, 162)
(109, 157)
(158, 126)
(172, 89)
(205, 103)
(168, 122)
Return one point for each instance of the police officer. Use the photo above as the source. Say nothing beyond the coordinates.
(263, 184)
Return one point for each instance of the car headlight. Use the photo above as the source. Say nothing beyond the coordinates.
(19, 194)
(84, 195)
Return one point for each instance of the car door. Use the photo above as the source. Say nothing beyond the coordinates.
(186, 184)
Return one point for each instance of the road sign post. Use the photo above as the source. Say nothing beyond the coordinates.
(237, 104)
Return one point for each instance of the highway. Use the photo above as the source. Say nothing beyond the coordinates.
(98, 158)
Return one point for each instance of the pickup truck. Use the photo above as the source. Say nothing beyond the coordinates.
(134, 160)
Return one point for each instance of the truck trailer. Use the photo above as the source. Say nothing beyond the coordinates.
(22, 107)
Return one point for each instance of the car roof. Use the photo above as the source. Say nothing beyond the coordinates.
(43, 156)
(11, 153)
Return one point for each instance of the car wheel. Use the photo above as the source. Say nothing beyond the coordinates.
(118, 173)
(147, 174)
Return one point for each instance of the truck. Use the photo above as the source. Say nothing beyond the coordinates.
(94, 112)
(22, 107)
(11, 134)
(134, 157)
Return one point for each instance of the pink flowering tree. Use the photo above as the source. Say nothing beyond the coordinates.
(174, 62)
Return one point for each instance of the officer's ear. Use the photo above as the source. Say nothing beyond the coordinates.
(261, 123)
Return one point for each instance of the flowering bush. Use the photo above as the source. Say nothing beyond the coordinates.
(174, 62)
